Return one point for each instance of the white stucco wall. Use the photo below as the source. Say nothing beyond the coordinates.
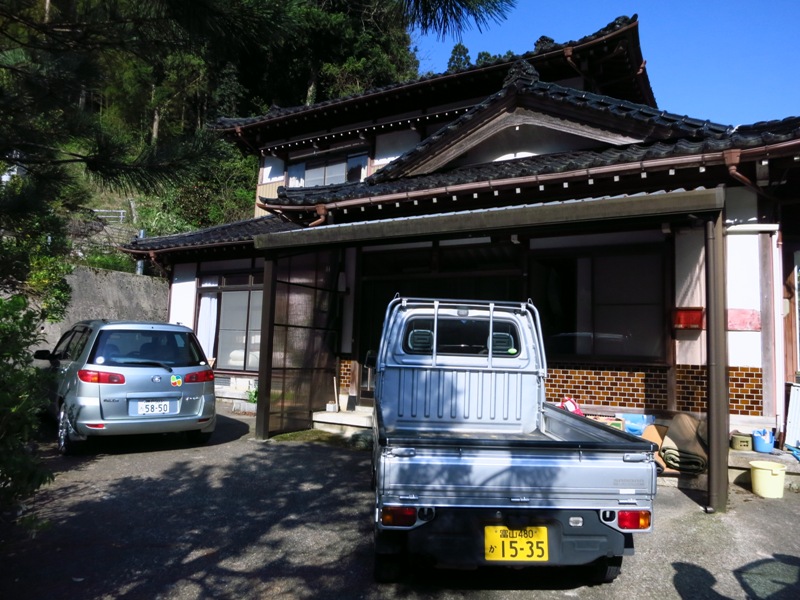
(690, 291)
(271, 170)
(743, 279)
(183, 294)
(743, 289)
(390, 146)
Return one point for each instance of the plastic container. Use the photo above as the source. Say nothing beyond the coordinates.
(636, 423)
(763, 440)
(767, 478)
(741, 441)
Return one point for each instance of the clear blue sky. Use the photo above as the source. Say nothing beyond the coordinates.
(729, 61)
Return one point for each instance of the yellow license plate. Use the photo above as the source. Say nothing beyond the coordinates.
(528, 544)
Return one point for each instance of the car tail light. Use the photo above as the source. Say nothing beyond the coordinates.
(199, 376)
(634, 519)
(89, 376)
(398, 516)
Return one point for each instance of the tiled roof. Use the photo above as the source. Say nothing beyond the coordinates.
(543, 46)
(751, 136)
(243, 232)
(240, 232)
(523, 80)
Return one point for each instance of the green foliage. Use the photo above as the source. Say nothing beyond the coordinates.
(111, 260)
(22, 399)
(34, 245)
(451, 17)
(222, 194)
(459, 58)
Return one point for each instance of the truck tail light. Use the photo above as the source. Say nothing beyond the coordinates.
(88, 376)
(398, 516)
(199, 376)
(634, 519)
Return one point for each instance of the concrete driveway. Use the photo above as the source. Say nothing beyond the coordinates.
(154, 518)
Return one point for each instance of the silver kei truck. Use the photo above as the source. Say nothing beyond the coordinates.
(472, 468)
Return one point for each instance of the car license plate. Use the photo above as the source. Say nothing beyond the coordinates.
(528, 544)
(161, 407)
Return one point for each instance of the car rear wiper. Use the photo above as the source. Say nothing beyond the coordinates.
(137, 361)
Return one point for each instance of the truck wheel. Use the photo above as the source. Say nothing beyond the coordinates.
(388, 568)
(606, 570)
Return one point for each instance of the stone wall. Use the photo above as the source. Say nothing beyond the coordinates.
(101, 294)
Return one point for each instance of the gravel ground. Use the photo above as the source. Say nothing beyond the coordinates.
(153, 517)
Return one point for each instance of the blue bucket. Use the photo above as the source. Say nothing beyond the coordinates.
(763, 440)
(636, 423)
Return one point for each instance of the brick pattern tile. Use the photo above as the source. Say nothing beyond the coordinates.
(609, 387)
(345, 375)
(645, 388)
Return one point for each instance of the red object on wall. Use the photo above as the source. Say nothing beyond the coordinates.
(688, 317)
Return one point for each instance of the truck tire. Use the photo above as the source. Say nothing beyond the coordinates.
(606, 570)
(388, 568)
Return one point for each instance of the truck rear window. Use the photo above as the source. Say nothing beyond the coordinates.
(461, 336)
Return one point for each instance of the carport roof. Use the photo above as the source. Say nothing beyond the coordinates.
(509, 218)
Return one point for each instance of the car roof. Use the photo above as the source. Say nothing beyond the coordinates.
(139, 325)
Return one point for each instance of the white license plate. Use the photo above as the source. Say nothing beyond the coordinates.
(162, 407)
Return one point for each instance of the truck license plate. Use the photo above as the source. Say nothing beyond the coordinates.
(163, 407)
(528, 544)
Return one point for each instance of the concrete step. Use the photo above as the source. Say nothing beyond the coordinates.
(344, 422)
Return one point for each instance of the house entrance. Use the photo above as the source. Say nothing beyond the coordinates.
(434, 270)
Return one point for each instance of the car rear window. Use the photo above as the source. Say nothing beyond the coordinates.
(145, 347)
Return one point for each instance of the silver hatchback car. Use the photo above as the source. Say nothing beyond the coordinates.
(130, 377)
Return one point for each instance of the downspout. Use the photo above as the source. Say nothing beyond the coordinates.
(322, 213)
(158, 265)
(732, 160)
(568, 57)
(717, 372)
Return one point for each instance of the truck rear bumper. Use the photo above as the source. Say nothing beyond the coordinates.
(456, 538)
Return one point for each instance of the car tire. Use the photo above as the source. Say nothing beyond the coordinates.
(198, 437)
(66, 445)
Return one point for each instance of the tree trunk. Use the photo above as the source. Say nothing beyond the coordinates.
(156, 120)
(156, 117)
(311, 90)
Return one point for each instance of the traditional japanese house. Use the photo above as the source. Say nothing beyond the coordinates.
(660, 249)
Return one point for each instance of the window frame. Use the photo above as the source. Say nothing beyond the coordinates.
(250, 281)
(591, 254)
(298, 170)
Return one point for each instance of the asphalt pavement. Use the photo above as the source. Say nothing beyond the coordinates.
(156, 518)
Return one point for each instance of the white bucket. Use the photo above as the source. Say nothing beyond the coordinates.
(767, 478)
